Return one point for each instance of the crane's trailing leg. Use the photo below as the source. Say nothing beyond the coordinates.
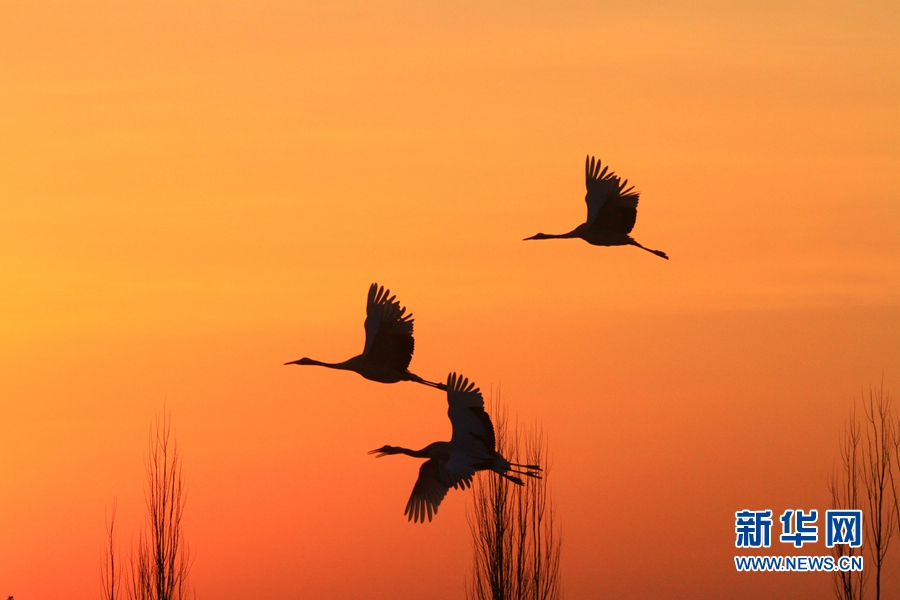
(512, 478)
(527, 473)
(659, 253)
(440, 386)
(531, 467)
(529, 470)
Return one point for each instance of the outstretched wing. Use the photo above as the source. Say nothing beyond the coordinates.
(600, 185)
(389, 330)
(457, 472)
(619, 212)
(427, 494)
(472, 427)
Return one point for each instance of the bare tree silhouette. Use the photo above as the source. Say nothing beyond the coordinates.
(109, 576)
(844, 485)
(161, 562)
(866, 479)
(514, 531)
(878, 475)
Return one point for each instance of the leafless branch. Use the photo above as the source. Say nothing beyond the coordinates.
(108, 574)
(844, 487)
(877, 465)
(515, 533)
(161, 562)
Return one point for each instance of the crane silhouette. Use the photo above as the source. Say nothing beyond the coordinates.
(389, 343)
(453, 464)
(612, 210)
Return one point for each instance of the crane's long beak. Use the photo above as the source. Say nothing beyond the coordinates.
(293, 362)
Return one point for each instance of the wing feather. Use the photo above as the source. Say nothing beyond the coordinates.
(472, 427)
(427, 494)
(389, 330)
(619, 213)
(600, 185)
(458, 470)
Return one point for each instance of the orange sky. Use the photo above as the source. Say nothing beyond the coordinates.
(192, 195)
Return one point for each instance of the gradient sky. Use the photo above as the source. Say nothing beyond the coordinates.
(193, 194)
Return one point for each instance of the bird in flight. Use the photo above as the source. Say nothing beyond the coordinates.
(453, 464)
(611, 211)
(389, 343)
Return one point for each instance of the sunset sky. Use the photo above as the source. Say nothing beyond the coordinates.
(192, 194)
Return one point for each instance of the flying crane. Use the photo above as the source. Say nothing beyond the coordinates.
(389, 343)
(472, 448)
(611, 211)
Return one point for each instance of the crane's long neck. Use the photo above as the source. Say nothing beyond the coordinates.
(552, 236)
(416, 453)
(432, 450)
(407, 451)
(319, 363)
(347, 365)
